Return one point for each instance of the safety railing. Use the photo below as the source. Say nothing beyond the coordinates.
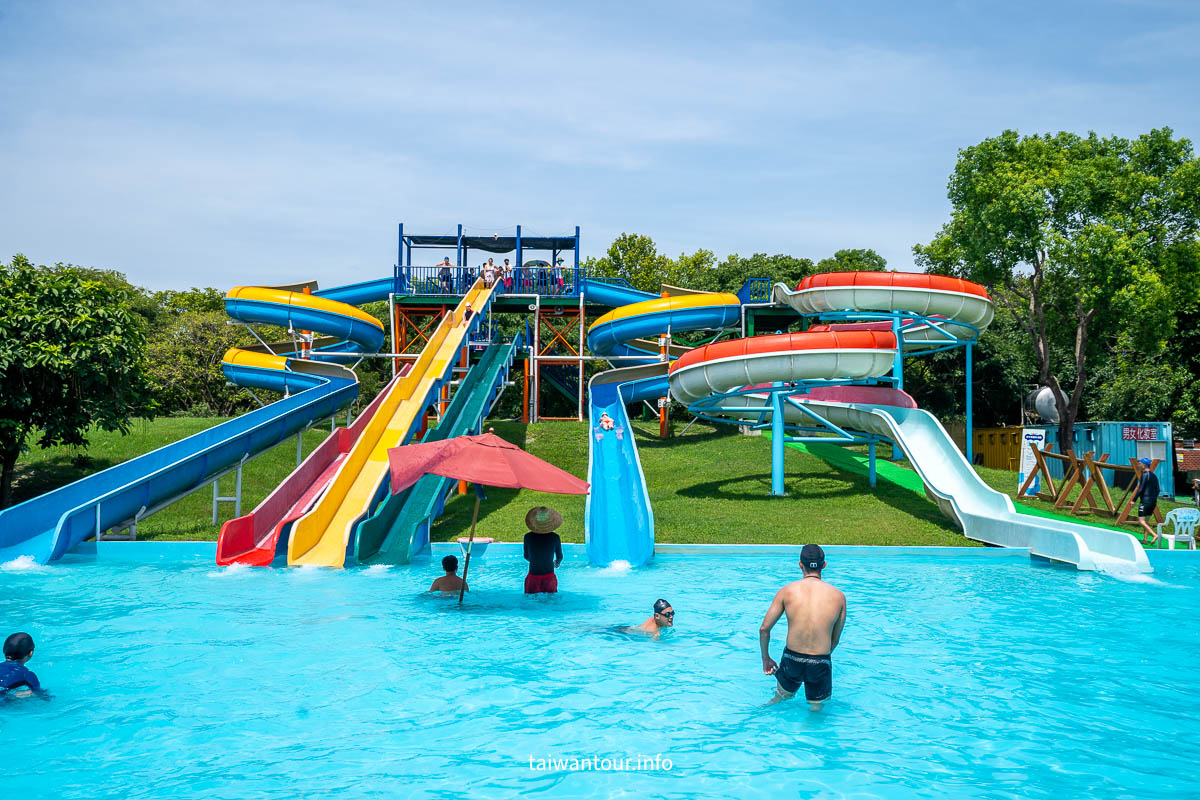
(443, 280)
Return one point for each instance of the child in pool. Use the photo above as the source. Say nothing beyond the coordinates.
(450, 582)
(18, 649)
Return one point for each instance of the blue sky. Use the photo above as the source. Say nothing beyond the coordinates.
(203, 143)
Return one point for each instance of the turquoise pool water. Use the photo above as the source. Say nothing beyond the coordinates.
(973, 675)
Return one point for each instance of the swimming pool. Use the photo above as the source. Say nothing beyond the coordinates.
(965, 675)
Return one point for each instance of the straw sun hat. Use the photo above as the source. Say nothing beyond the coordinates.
(542, 519)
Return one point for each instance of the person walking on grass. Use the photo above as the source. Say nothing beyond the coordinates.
(543, 550)
(816, 613)
(1147, 492)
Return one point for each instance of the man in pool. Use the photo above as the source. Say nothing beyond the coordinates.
(543, 550)
(816, 613)
(663, 617)
(18, 649)
(450, 582)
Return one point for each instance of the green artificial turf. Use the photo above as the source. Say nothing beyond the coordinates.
(901, 473)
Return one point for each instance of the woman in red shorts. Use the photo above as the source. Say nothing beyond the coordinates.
(543, 550)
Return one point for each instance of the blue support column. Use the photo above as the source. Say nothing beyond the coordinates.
(578, 277)
(970, 392)
(397, 282)
(871, 463)
(777, 435)
(458, 250)
(898, 366)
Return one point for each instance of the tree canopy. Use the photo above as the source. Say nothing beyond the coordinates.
(1077, 237)
(71, 356)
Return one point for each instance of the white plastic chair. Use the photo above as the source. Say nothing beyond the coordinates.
(1185, 522)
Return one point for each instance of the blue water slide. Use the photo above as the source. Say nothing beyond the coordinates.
(46, 527)
(613, 292)
(619, 521)
(618, 518)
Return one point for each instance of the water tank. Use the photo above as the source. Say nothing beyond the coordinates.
(1041, 402)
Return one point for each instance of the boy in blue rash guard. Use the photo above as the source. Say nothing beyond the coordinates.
(18, 649)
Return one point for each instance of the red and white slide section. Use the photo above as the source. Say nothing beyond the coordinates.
(862, 351)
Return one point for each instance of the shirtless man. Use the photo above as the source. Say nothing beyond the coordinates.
(450, 582)
(816, 613)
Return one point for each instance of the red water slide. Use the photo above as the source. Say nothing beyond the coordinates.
(255, 538)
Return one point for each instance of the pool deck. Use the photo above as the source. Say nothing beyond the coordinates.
(576, 553)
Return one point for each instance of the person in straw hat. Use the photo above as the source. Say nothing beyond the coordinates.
(543, 550)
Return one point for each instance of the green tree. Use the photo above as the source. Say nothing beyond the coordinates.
(71, 356)
(860, 260)
(183, 361)
(634, 257)
(1072, 233)
(732, 273)
(207, 299)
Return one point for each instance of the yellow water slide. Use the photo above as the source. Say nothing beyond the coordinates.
(320, 537)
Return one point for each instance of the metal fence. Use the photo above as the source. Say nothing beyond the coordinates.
(448, 280)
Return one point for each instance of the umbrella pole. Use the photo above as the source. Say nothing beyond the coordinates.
(470, 541)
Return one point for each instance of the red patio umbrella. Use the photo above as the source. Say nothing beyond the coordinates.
(485, 460)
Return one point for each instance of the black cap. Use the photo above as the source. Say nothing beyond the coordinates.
(812, 556)
(661, 605)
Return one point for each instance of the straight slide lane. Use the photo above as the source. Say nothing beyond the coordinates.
(260, 537)
(399, 527)
(324, 535)
(619, 519)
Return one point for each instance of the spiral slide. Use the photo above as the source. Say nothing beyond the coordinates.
(859, 351)
(618, 520)
(50, 525)
(326, 534)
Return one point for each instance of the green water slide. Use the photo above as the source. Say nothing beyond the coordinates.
(399, 527)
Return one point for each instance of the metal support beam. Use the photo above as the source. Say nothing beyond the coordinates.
(777, 443)
(970, 392)
(871, 463)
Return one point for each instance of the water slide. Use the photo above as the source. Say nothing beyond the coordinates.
(325, 534)
(260, 537)
(399, 527)
(857, 351)
(618, 519)
(48, 526)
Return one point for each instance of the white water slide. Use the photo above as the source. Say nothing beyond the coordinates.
(867, 350)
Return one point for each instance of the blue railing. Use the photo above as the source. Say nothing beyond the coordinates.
(451, 281)
(444, 281)
(755, 290)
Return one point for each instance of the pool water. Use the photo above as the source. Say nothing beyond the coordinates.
(979, 674)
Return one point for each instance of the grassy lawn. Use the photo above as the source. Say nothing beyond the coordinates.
(711, 486)
(191, 517)
(707, 486)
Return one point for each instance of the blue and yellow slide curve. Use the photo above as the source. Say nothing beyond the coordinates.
(48, 526)
(618, 519)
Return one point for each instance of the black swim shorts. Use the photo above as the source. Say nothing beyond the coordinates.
(815, 672)
(1147, 509)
